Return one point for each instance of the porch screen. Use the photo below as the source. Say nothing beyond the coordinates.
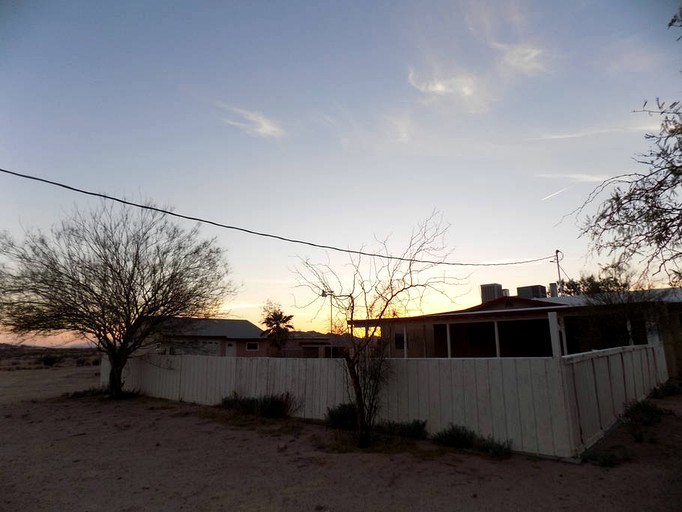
(475, 339)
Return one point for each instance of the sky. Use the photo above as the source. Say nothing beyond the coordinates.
(337, 123)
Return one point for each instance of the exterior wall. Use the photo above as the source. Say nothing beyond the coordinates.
(547, 406)
(189, 345)
(263, 348)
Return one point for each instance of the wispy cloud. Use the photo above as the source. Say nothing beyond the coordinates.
(399, 128)
(522, 58)
(595, 131)
(630, 55)
(252, 122)
(575, 177)
(507, 55)
(465, 88)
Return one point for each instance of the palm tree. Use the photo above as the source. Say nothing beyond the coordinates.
(278, 325)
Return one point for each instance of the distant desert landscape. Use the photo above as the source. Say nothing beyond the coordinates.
(64, 450)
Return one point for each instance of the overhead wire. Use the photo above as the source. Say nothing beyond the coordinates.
(263, 234)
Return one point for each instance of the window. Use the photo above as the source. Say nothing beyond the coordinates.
(252, 346)
(399, 341)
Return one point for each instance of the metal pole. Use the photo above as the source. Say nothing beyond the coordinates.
(558, 271)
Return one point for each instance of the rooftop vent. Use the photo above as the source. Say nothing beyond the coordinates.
(491, 291)
(536, 291)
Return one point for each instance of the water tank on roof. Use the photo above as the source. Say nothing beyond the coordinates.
(536, 291)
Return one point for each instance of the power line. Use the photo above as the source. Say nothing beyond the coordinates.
(262, 234)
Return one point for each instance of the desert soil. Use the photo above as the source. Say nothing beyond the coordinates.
(93, 454)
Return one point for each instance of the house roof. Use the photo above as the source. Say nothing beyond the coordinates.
(522, 307)
(211, 328)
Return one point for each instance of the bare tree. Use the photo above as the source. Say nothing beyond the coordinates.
(112, 275)
(373, 288)
(642, 217)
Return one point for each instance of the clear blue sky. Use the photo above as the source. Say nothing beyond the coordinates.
(335, 121)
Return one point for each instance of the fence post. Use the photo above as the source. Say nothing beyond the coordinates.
(554, 333)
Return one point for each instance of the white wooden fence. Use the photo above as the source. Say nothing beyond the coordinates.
(545, 406)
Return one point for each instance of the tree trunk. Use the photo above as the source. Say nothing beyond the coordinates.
(116, 376)
(363, 429)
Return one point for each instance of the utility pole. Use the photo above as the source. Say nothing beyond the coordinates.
(330, 294)
(558, 271)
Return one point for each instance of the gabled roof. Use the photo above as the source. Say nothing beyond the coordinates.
(211, 327)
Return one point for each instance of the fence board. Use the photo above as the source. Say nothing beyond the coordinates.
(618, 392)
(484, 419)
(497, 404)
(637, 374)
(469, 395)
(541, 407)
(434, 396)
(458, 393)
(511, 402)
(446, 395)
(524, 382)
(604, 394)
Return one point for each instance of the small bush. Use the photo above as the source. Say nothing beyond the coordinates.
(50, 360)
(94, 391)
(342, 417)
(644, 413)
(607, 457)
(457, 436)
(670, 388)
(266, 406)
(414, 429)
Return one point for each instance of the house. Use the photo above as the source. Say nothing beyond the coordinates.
(211, 336)
(238, 338)
(541, 327)
(313, 344)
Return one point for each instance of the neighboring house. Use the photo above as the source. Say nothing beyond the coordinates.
(238, 338)
(314, 345)
(211, 336)
(522, 327)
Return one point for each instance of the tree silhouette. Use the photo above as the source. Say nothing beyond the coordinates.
(112, 275)
(278, 325)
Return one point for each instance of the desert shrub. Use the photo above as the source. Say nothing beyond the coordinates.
(267, 406)
(644, 413)
(606, 457)
(496, 449)
(95, 361)
(670, 388)
(342, 417)
(457, 436)
(82, 361)
(93, 391)
(414, 429)
(50, 360)
(638, 416)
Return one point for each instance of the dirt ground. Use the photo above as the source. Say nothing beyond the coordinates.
(93, 454)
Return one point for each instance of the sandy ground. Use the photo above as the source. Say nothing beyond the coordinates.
(92, 454)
